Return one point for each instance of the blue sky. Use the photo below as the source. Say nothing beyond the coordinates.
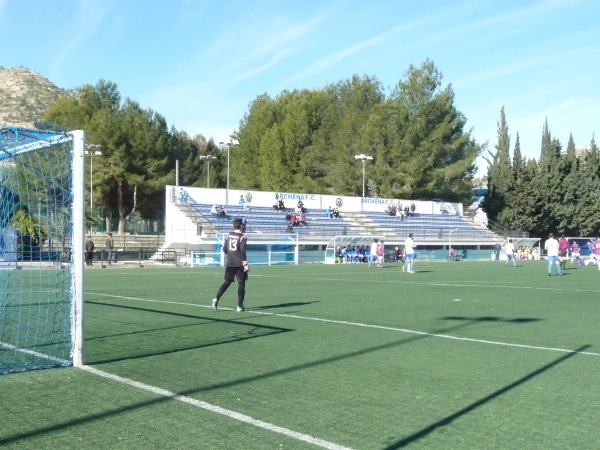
(200, 63)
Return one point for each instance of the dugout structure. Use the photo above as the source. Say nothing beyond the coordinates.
(345, 241)
(41, 248)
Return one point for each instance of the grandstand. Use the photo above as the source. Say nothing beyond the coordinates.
(190, 225)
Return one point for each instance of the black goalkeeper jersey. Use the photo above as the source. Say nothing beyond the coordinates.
(235, 248)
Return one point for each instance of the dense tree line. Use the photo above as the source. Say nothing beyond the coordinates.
(305, 141)
(301, 141)
(138, 150)
(557, 193)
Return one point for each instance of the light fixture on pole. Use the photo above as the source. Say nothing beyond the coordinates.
(221, 146)
(228, 146)
(90, 151)
(364, 158)
(208, 158)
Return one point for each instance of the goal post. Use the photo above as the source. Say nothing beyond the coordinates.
(42, 210)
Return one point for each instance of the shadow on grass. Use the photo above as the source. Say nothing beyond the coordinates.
(473, 406)
(279, 305)
(267, 375)
(255, 331)
(90, 418)
(492, 319)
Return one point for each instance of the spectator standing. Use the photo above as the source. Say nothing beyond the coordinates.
(236, 265)
(497, 249)
(242, 203)
(110, 248)
(244, 224)
(551, 246)
(89, 251)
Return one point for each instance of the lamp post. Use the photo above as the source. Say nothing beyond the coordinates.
(221, 145)
(364, 158)
(228, 146)
(90, 151)
(208, 158)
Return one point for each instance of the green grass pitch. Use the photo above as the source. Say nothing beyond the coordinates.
(459, 355)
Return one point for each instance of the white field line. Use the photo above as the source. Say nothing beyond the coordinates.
(360, 324)
(217, 409)
(197, 403)
(405, 279)
(4, 345)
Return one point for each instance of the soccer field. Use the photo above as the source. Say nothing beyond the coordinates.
(459, 355)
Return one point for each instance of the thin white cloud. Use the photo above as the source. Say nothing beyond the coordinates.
(87, 19)
(335, 58)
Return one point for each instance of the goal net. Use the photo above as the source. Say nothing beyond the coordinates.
(41, 248)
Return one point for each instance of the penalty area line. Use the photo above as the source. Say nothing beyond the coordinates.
(217, 409)
(368, 325)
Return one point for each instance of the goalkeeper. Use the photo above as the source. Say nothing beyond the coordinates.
(236, 265)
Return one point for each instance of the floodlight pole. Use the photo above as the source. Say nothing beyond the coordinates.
(364, 158)
(208, 158)
(92, 153)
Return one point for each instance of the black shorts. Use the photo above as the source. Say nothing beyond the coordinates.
(232, 272)
(563, 253)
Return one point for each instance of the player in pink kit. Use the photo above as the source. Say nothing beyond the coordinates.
(563, 250)
(596, 251)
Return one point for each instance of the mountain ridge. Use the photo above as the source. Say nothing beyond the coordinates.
(25, 96)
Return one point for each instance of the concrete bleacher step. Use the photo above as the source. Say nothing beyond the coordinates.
(269, 221)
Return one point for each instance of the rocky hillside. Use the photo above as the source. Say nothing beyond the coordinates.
(24, 96)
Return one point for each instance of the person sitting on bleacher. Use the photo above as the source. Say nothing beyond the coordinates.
(300, 207)
(279, 205)
(301, 220)
(214, 210)
(329, 213)
(400, 214)
(336, 213)
(293, 220)
(391, 209)
(221, 212)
